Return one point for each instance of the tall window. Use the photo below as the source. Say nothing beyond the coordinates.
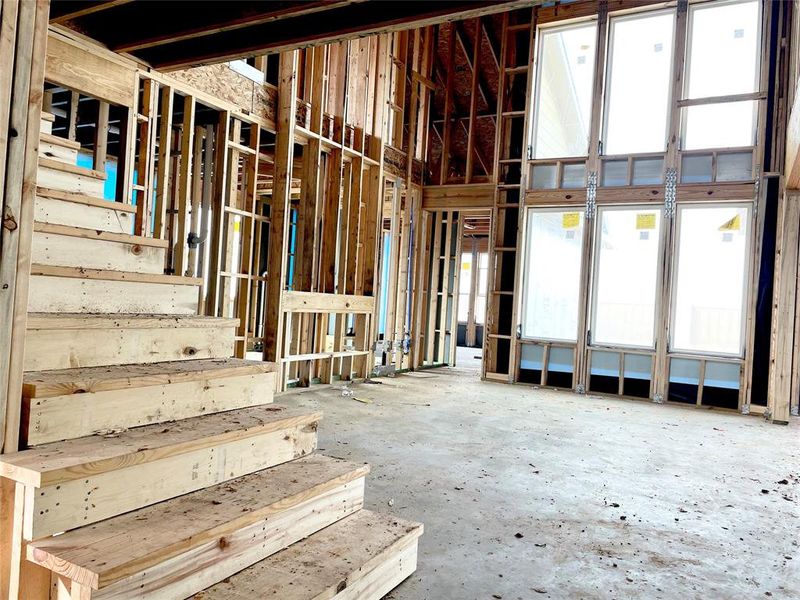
(722, 59)
(552, 274)
(565, 74)
(711, 275)
(637, 102)
(464, 287)
(483, 284)
(626, 270)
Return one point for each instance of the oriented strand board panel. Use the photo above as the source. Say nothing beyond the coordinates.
(79, 402)
(70, 341)
(362, 557)
(124, 552)
(94, 73)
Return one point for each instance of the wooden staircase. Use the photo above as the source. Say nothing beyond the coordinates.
(157, 466)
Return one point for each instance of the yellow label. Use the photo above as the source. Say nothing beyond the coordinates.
(646, 221)
(236, 226)
(734, 224)
(465, 266)
(570, 220)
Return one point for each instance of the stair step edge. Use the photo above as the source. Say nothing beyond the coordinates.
(45, 384)
(94, 234)
(108, 275)
(324, 564)
(59, 462)
(84, 199)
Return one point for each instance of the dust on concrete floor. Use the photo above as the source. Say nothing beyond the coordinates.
(530, 493)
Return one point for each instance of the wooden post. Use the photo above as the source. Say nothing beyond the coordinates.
(787, 255)
(181, 261)
(281, 193)
(26, 23)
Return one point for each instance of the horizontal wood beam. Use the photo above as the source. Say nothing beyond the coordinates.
(337, 24)
(199, 23)
(458, 197)
(313, 302)
(61, 12)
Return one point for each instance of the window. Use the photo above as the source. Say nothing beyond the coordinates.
(626, 270)
(483, 284)
(711, 273)
(639, 78)
(722, 60)
(565, 75)
(464, 286)
(247, 68)
(551, 290)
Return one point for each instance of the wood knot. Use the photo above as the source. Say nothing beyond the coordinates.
(223, 543)
(9, 223)
(190, 351)
(136, 249)
(342, 585)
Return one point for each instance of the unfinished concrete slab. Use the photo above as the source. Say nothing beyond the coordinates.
(530, 493)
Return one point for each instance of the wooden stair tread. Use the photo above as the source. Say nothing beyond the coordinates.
(58, 165)
(49, 138)
(99, 321)
(84, 199)
(94, 234)
(82, 273)
(58, 462)
(100, 554)
(45, 384)
(336, 559)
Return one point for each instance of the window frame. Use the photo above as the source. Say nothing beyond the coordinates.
(534, 92)
(596, 247)
(585, 223)
(749, 205)
(613, 18)
(687, 102)
(687, 59)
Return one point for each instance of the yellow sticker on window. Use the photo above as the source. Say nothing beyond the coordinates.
(734, 224)
(646, 221)
(465, 266)
(570, 220)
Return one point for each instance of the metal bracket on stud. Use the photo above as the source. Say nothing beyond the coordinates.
(757, 181)
(745, 409)
(658, 399)
(580, 389)
(591, 195)
(670, 192)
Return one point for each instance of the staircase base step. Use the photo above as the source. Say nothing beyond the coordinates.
(211, 534)
(362, 557)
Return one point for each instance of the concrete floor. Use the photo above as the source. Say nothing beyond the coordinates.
(531, 493)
